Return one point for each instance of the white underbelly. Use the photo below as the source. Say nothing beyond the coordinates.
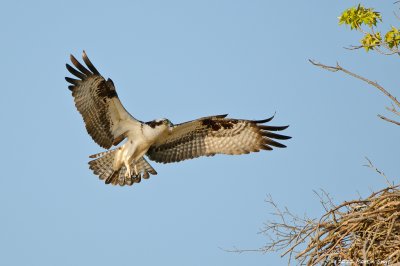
(130, 151)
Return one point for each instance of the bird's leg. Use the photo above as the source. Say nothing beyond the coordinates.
(128, 172)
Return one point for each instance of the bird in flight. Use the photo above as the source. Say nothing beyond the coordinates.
(109, 123)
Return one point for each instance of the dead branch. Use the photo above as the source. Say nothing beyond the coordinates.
(373, 83)
(389, 120)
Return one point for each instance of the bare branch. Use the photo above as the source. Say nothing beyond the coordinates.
(372, 166)
(353, 47)
(375, 48)
(389, 120)
(373, 83)
(393, 110)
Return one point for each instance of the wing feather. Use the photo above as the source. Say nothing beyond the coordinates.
(212, 135)
(96, 99)
(72, 81)
(75, 72)
(79, 66)
(89, 64)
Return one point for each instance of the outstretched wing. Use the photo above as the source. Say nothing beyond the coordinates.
(105, 118)
(215, 134)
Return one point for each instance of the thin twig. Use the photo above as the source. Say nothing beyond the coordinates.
(389, 120)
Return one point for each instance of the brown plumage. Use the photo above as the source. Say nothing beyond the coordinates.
(108, 123)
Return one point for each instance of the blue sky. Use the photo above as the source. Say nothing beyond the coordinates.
(183, 60)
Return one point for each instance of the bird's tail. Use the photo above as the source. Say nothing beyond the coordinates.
(102, 166)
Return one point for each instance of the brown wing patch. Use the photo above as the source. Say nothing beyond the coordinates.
(106, 89)
(218, 124)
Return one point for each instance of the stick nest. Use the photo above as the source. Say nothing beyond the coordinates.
(359, 232)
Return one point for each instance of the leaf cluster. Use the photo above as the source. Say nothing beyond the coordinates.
(359, 18)
(370, 41)
(392, 38)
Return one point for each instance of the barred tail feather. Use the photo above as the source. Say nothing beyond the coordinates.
(102, 166)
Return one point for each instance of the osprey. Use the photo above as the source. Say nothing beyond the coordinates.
(108, 123)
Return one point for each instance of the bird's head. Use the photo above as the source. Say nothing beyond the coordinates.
(157, 127)
(160, 124)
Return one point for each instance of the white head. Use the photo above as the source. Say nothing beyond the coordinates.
(157, 127)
